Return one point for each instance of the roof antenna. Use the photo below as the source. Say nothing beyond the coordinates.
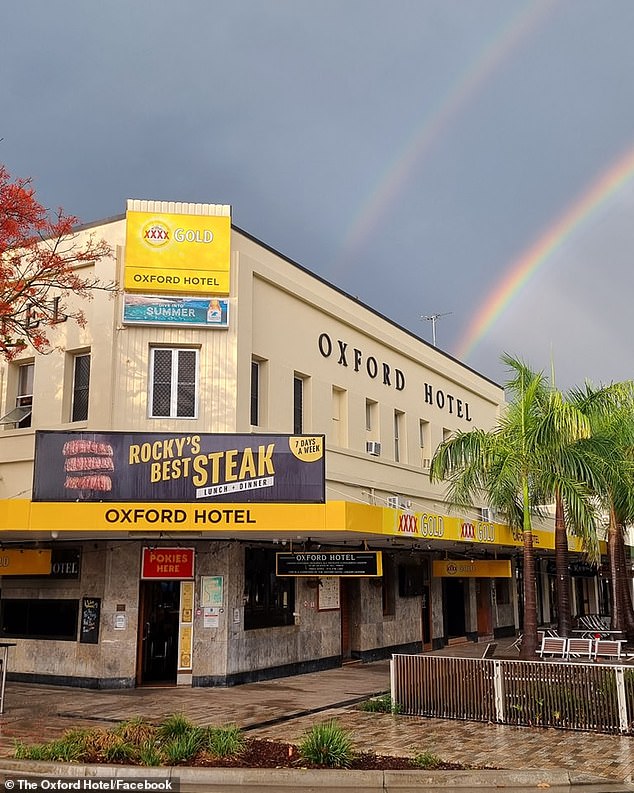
(433, 318)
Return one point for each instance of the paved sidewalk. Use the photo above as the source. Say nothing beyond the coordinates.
(284, 708)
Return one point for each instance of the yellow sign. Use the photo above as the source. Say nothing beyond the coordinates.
(177, 254)
(25, 562)
(307, 448)
(243, 518)
(463, 568)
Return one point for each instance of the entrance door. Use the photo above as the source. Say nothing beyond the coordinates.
(158, 632)
(485, 609)
(453, 601)
(426, 618)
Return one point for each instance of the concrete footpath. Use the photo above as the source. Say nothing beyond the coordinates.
(284, 708)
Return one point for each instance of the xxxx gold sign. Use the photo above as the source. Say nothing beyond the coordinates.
(463, 568)
(177, 254)
(194, 468)
(25, 562)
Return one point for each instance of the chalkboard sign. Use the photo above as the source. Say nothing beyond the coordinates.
(90, 613)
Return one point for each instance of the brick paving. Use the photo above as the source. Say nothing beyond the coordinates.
(284, 708)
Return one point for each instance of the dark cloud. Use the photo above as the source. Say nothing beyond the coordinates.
(300, 115)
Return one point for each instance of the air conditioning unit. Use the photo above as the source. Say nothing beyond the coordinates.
(486, 514)
(392, 502)
(426, 463)
(373, 447)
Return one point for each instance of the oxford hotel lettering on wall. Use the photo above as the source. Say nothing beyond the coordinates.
(354, 358)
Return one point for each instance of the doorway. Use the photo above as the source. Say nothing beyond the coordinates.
(426, 617)
(157, 656)
(485, 607)
(453, 601)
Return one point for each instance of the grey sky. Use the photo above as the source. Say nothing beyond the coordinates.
(410, 152)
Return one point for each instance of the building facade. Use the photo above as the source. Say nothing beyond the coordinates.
(145, 582)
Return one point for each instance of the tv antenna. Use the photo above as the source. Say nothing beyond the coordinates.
(433, 318)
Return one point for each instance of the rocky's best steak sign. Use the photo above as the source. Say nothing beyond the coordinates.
(194, 468)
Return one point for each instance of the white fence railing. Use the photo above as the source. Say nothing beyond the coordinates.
(572, 696)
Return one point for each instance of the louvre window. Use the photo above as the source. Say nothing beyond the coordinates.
(255, 393)
(298, 405)
(24, 397)
(81, 385)
(174, 383)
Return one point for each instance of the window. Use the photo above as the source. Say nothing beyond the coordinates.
(370, 414)
(39, 619)
(398, 429)
(81, 384)
(298, 405)
(269, 600)
(339, 416)
(24, 397)
(423, 433)
(255, 393)
(173, 383)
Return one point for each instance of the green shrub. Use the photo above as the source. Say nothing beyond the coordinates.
(136, 731)
(184, 746)
(119, 751)
(327, 744)
(383, 704)
(149, 754)
(174, 726)
(427, 760)
(224, 741)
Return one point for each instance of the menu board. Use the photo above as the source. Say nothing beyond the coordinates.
(90, 614)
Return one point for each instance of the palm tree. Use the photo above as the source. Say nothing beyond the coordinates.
(611, 448)
(518, 465)
(592, 460)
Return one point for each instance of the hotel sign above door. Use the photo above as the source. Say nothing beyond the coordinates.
(464, 568)
(349, 564)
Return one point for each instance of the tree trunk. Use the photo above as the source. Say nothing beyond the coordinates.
(528, 648)
(564, 621)
(615, 575)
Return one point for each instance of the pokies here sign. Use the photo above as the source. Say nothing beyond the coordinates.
(167, 563)
(177, 253)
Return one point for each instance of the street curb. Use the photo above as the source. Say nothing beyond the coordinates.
(313, 779)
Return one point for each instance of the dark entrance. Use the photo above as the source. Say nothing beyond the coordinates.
(453, 599)
(158, 632)
(426, 617)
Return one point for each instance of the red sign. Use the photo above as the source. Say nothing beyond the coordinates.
(167, 563)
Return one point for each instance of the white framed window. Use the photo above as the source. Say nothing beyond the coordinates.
(339, 416)
(371, 408)
(173, 383)
(298, 405)
(398, 431)
(255, 393)
(81, 387)
(19, 416)
(24, 397)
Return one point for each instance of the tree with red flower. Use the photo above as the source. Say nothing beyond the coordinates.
(41, 266)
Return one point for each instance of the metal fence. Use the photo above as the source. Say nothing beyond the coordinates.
(571, 696)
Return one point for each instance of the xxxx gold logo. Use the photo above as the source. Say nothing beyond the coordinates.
(156, 234)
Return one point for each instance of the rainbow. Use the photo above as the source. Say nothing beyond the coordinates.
(519, 273)
(394, 178)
